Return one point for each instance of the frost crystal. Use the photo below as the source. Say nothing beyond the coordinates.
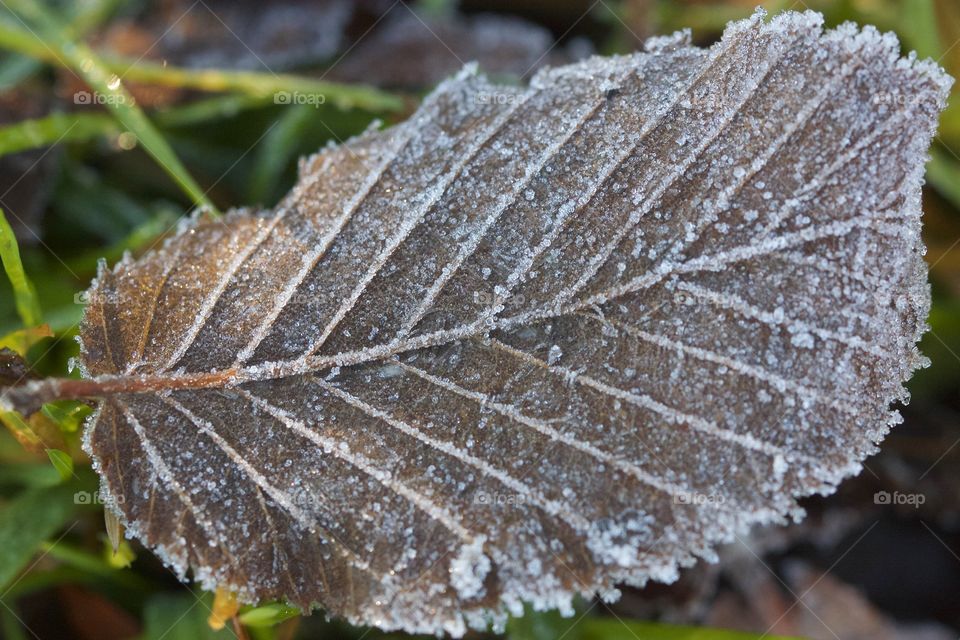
(512, 350)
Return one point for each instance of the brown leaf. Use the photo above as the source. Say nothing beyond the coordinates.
(13, 368)
(531, 342)
(415, 51)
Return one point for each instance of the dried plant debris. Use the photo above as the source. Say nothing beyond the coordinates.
(532, 342)
(228, 34)
(13, 368)
(755, 586)
(414, 51)
(25, 177)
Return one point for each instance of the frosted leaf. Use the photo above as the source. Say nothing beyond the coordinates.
(513, 350)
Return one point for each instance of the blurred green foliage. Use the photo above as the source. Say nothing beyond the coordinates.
(113, 194)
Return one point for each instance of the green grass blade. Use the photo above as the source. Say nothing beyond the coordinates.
(83, 61)
(918, 28)
(268, 615)
(943, 172)
(284, 88)
(14, 70)
(79, 558)
(176, 616)
(21, 431)
(88, 16)
(32, 517)
(55, 128)
(615, 629)
(92, 13)
(22, 340)
(276, 150)
(541, 625)
(24, 294)
(28, 474)
(217, 107)
(253, 83)
(10, 625)
(68, 414)
(62, 462)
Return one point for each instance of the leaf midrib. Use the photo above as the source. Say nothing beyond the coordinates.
(110, 384)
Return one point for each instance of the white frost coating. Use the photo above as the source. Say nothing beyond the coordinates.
(661, 44)
(553, 356)
(671, 415)
(554, 508)
(670, 489)
(780, 467)
(621, 543)
(178, 561)
(469, 568)
(717, 262)
(214, 296)
(703, 286)
(743, 177)
(650, 199)
(425, 202)
(737, 304)
(759, 373)
(341, 450)
(813, 187)
(570, 209)
(471, 246)
(311, 258)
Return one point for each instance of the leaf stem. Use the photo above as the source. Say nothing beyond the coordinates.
(29, 397)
